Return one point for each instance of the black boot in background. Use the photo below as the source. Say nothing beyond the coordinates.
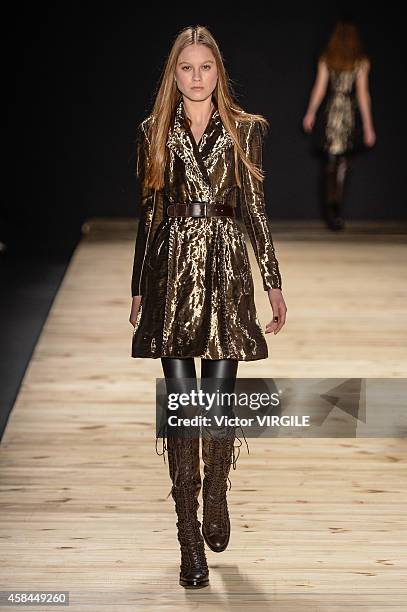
(334, 177)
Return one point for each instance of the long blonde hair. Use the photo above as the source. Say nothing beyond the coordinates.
(167, 99)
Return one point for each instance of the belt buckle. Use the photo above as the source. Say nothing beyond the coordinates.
(205, 208)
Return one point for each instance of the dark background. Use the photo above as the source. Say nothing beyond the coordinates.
(79, 77)
(86, 75)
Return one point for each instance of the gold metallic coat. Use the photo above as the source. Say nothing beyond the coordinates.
(194, 274)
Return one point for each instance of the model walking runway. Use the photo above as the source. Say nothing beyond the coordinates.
(83, 498)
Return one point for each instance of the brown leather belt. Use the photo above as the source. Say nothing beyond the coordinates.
(200, 209)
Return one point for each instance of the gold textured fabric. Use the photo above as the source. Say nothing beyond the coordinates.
(340, 115)
(194, 274)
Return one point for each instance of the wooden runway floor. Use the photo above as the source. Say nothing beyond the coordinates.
(317, 524)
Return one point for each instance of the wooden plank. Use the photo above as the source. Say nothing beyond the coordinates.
(316, 523)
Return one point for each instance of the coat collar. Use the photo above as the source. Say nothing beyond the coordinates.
(201, 156)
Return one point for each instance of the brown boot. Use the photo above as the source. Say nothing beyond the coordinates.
(218, 456)
(183, 460)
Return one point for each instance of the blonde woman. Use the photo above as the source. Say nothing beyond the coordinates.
(192, 287)
(344, 124)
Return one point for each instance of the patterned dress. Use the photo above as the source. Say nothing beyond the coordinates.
(340, 129)
(194, 274)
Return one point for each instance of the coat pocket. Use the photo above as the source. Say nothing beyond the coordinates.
(155, 247)
(244, 269)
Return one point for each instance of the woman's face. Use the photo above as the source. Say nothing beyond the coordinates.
(196, 72)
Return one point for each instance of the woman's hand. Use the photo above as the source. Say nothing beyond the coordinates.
(308, 122)
(369, 136)
(135, 305)
(279, 310)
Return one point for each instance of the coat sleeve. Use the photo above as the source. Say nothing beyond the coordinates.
(254, 212)
(151, 213)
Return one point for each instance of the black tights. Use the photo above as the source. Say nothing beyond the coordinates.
(216, 375)
(335, 172)
(174, 367)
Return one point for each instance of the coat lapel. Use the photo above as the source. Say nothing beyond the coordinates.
(199, 157)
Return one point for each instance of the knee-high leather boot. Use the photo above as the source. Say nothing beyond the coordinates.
(183, 460)
(218, 456)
